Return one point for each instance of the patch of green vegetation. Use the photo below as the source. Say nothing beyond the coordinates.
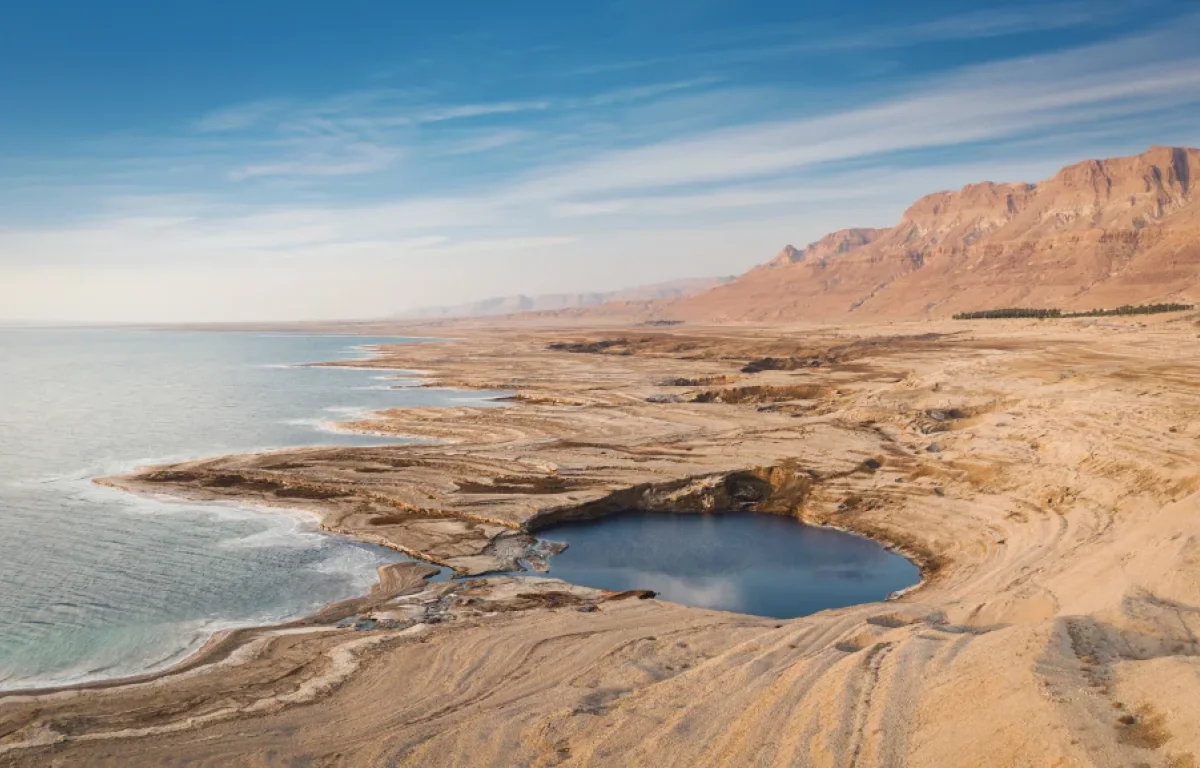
(1044, 314)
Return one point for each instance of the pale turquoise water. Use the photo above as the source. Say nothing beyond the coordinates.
(99, 583)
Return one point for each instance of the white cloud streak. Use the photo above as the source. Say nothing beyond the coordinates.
(782, 41)
(349, 160)
(986, 103)
(238, 117)
(987, 23)
(357, 134)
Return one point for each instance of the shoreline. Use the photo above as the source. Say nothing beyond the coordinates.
(215, 650)
(186, 658)
(1047, 551)
(200, 655)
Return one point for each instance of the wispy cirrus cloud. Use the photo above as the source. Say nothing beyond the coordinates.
(546, 188)
(988, 23)
(1007, 100)
(1131, 79)
(467, 111)
(239, 117)
(775, 41)
(484, 141)
(344, 160)
(368, 132)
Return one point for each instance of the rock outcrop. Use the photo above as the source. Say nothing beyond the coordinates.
(1098, 234)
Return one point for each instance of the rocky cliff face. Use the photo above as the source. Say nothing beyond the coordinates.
(1099, 233)
(843, 241)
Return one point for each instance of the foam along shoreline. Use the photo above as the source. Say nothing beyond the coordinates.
(222, 646)
(191, 642)
(1050, 555)
(302, 522)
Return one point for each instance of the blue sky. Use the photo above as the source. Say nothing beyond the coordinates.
(269, 160)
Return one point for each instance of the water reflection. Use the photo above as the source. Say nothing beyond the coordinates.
(750, 563)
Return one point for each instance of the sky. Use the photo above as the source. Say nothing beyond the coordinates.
(163, 160)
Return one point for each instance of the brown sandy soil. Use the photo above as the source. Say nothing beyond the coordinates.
(1044, 474)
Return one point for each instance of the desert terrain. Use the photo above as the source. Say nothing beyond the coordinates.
(1043, 474)
(1097, 234)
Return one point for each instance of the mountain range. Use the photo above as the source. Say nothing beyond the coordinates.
(1100, 233)
(642, 298)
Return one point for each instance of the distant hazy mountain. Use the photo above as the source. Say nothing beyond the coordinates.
(552, 302)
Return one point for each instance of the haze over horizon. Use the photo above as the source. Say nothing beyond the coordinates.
(289, 161)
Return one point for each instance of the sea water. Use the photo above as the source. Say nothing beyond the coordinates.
(98, 583)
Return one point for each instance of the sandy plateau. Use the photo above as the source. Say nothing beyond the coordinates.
(1045, 476)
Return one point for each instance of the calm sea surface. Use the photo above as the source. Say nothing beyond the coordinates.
(765, 565)
(99, 583)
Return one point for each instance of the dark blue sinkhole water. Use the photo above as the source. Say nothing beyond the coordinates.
(760, 564)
